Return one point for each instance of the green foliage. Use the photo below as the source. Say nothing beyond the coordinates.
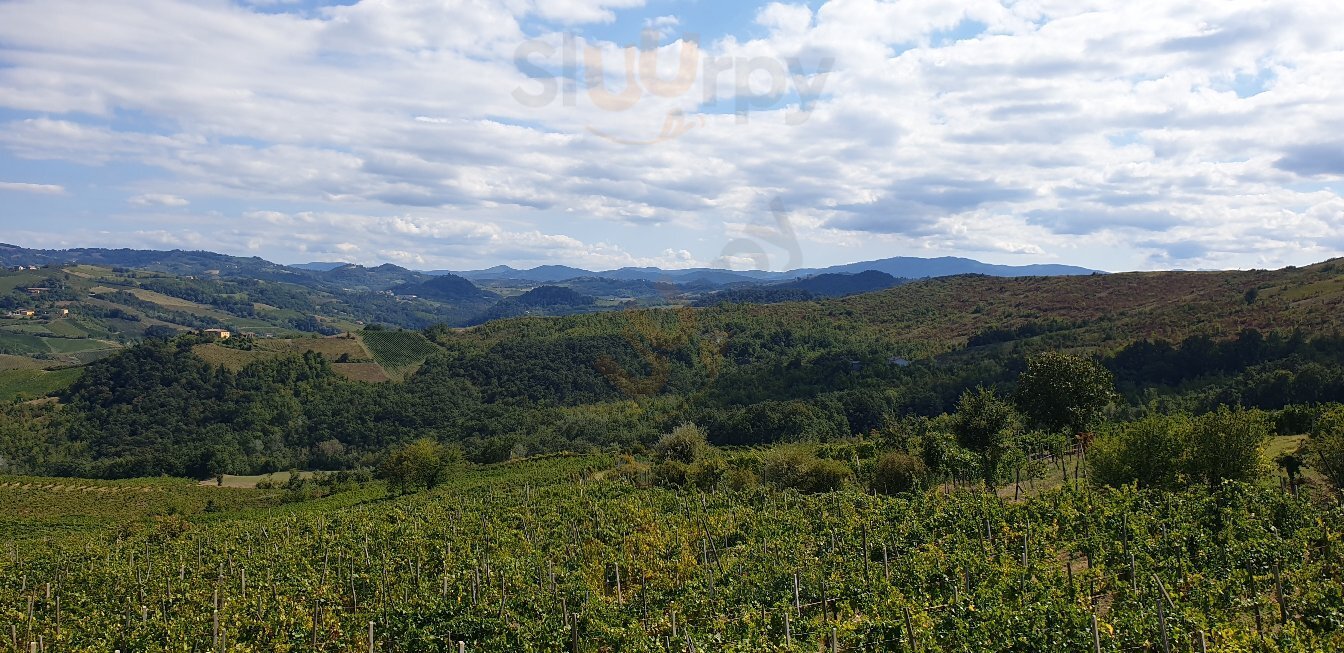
(1228, 445)
(1151, 452)
(1327, 446)
(489, 555)
(988, 425)
(685, 444)
(419, 465)
(898, 472)
(1058, 392)
(797, 467)
(943, 457)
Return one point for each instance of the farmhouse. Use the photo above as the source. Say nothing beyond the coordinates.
(220, 334)
(23, 313)
(37, 291)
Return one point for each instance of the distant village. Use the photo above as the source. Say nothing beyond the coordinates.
(36, 293)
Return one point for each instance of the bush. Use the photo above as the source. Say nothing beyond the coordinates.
(827, 476)
(740, 480)
(1151, 452)
(685, 444)
(898, 472)
(1228, 445)
(800, 469)
(671, 473)
(707, 472)
(1326, 448)
(942, 456)
(629, 469)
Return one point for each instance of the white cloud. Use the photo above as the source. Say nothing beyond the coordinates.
(36, 189)
(1112, 134)
(158, 199)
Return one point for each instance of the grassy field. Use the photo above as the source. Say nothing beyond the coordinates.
(360, 365)
(26, 384)
(366, 372)
(10, 362)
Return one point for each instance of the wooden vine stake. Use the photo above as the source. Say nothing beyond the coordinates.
(910, 632)
(1096, 635)
(1278, 594)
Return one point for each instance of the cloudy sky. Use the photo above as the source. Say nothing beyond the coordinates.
(1127, 134)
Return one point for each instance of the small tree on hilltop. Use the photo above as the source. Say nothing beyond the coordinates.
(1059, 392)
(988, 425)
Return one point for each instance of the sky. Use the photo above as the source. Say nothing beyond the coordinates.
(462, 134)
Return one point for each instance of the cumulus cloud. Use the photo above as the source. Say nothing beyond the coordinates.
(1139, 134)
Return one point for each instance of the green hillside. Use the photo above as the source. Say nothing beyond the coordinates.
(748, 374)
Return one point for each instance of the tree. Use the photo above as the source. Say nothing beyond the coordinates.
(1228, 445)
(988, 425)
(1150, 452)
(1327, 446)
(422, 464)
(1061, 392)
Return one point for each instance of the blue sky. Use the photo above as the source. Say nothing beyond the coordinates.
(1114, 135)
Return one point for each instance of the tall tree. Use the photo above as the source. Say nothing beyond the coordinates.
(1061, 392)
(989, 425)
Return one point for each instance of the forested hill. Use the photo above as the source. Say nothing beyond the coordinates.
(747, 374)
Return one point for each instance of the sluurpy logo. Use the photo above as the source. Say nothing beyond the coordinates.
(758, 83)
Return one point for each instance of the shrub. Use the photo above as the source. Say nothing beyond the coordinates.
(1150, 452)
(685, 444)
(670, 473)
(986, 424)
(898, 472)
(826, 476)
(707, 472)
(740, 480)
(1228, 444)
(1327, 446)
(800, 469)
(942, 456)
(629, 469)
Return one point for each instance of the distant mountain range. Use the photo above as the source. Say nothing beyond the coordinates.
(905, 267)
(388, 275)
